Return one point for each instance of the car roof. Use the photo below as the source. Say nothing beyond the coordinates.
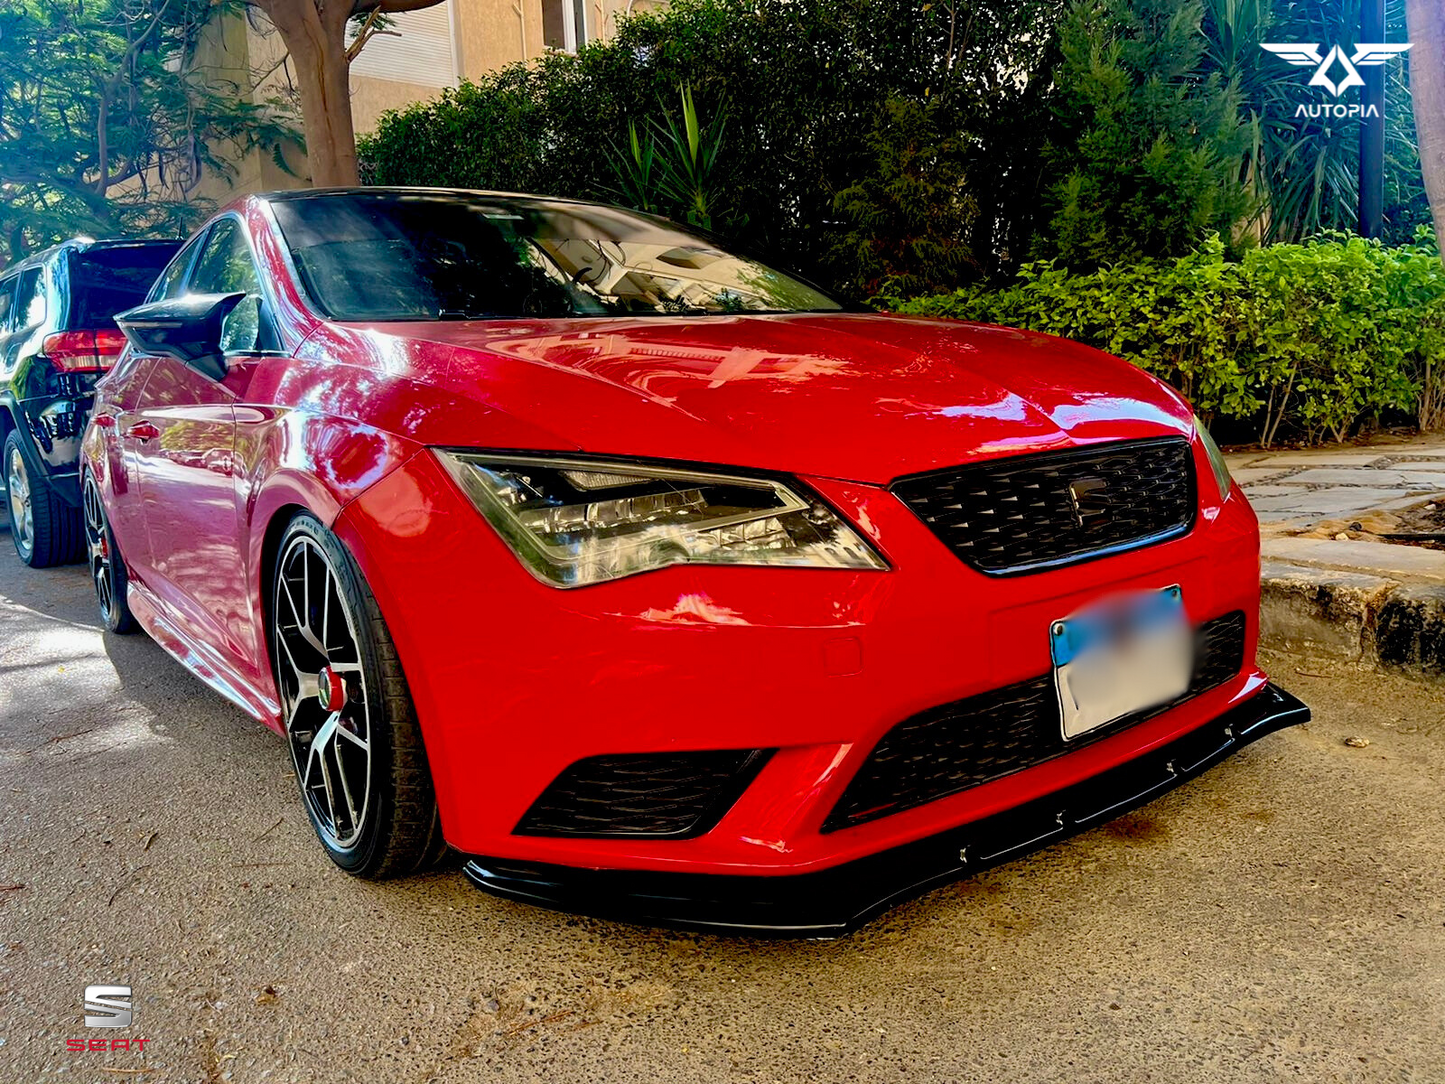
(85, 244)
(287, 194)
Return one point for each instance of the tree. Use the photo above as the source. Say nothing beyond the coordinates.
(315, 33)
(804, 84)
(1427, 80)
(910, 215)
(103, 127)
(1306, 169)
(1149, 164)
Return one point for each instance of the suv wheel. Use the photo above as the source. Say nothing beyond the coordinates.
(46, 531)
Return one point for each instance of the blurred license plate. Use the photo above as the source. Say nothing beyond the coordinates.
(1123, 655)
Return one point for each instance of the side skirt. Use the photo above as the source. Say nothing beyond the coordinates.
(200, 660)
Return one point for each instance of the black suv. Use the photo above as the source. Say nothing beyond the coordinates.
(57, 336)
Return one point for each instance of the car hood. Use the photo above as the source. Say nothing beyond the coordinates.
(862, 397)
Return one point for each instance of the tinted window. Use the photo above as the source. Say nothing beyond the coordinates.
(225, 266)
(105, 281)
(430, 256)
(29, 303)
(172, 282)
(7, 298)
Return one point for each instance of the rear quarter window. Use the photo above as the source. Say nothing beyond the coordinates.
(106, 281)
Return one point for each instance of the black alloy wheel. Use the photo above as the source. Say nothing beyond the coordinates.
(350, 722)
(107, 570)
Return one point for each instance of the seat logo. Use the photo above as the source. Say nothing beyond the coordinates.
(1090, 501)
(107, 1007)
(1307, 55)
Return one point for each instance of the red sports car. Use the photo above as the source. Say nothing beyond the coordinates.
(651, 578)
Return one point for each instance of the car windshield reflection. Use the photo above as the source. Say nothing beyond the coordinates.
(385, 255)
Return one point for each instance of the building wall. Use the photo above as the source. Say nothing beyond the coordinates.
(487, 35)
(398, 68)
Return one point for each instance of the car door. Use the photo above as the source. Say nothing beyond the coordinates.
(117, 398)
(184, 435)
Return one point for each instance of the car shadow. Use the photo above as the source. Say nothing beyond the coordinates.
(180, 712)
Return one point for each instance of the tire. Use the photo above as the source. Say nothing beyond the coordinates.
(107, 569)
(350, 721)
(46, 531)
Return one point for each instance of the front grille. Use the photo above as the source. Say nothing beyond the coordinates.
(951, 748)
(671, 795)
(1033, 512)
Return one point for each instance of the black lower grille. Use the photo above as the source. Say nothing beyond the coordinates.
(1032, 512)
(667, 795)
(951, 748)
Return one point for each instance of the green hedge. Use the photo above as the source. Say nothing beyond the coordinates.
(1307, 341)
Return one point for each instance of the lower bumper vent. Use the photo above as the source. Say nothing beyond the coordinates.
(953, 747)
(642, 795)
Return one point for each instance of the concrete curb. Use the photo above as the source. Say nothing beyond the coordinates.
(1352, 616)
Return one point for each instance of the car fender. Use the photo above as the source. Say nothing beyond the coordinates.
(13, 417)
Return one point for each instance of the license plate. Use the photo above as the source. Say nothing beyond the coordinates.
(1124, 655)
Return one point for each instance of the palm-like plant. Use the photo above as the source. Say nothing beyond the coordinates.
(1305, 169)
(671, 165)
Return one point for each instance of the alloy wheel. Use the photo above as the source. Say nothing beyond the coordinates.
(22, 516)
(97, 549)
(324, 696)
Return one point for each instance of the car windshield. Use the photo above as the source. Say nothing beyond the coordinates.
(389, 255)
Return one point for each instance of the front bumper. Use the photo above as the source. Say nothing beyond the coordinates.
(515, 681)
(833, 901)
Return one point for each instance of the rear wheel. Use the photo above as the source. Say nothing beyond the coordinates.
(351, 725)
(107, 570)
(46, 531)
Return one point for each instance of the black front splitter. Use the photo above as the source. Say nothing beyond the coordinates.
(830, 902)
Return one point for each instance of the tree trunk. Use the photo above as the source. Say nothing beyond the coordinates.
(1426, 20)
(315, 35)
(316, 39)
(323, 82)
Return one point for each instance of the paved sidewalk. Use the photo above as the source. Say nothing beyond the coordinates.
(1330, 581)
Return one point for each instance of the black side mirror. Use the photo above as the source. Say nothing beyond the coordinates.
(185, 328)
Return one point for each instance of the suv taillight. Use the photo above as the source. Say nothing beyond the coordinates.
(84, 351)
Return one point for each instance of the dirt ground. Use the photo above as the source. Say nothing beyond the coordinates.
(1282, 918)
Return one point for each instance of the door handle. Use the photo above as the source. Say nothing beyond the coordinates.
(143, 431)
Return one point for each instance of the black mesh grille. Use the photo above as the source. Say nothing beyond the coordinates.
(674, 795)
(950, 748)
(1041, 511)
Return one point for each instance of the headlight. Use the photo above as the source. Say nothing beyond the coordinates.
(574, 522)
(1216, 458)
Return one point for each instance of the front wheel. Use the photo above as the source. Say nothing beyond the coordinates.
(45, 530)
(350, 722)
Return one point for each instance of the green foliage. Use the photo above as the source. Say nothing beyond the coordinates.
(671, 167)
(1148, 163)
(1306, 340)
(803, 82)
(909, 216)
(911, 145)
(103, 129)
(1306, 170)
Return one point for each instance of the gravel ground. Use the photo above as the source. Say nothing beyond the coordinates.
(1282, 918)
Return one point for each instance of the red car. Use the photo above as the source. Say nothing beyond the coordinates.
(651, 578)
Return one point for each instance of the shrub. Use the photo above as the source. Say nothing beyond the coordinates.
(1308, 340)
(1147, 161)
(805, 86)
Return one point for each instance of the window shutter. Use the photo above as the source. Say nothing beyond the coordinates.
(416, 48)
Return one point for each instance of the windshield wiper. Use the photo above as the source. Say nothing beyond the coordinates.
(462, 314)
